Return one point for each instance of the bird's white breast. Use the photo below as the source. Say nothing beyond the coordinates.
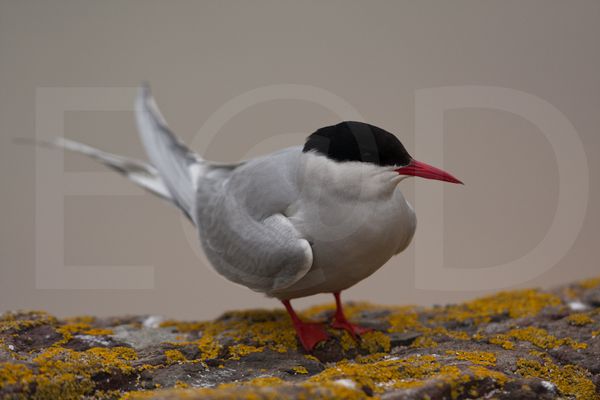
(355, 218)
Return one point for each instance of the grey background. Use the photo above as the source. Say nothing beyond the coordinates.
(200, 54)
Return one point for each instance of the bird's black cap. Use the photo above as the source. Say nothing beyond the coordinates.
(358, 141)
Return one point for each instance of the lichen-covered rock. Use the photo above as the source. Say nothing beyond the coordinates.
(527, 344)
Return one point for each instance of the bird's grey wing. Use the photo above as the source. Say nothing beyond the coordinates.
(178, 167)
(245, 233)
(139, 172)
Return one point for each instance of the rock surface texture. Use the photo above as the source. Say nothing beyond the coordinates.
(527, 344)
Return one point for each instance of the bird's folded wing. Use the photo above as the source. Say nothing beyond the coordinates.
(264, 255)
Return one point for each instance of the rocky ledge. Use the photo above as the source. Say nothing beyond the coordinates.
(527, 344)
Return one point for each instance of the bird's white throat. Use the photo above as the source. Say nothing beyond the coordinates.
(350, 179)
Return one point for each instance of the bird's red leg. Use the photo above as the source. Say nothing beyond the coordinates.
(309, 333)
(340, 321)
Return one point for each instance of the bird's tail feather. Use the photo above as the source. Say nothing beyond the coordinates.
(143, 174)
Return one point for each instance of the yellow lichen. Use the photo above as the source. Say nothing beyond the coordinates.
(476, 357)
(257, 389)
(516, 304)
(97, 332)
(371, 342)
(591, 283)
(482, 372)
(424, 342)
(208, 346)
(241, 350)
(18, 321)
(571, 380)
(536, 336)
(12, 374)
(258, 328)
(62, 373)
(78, 326)
(311, 357)
(403, 319)
(377, 376)
(299, 369)
(66, 374)
(174, 356)
(183, 326)
(256, 382)
(502, 340)
(580, 319)
(375, 341)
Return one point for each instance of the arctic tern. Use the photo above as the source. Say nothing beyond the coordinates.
(304, 220)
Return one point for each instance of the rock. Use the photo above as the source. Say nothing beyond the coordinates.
(592, 298)
(527, 344)
(404, 338)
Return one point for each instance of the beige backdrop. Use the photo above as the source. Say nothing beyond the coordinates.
(373, 57)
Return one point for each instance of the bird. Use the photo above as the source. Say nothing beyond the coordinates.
(304, 220)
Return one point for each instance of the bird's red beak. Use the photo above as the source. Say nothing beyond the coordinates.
(417, 168)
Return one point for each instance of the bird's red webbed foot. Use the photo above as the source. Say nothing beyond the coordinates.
(341, 322)
(309, 333)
